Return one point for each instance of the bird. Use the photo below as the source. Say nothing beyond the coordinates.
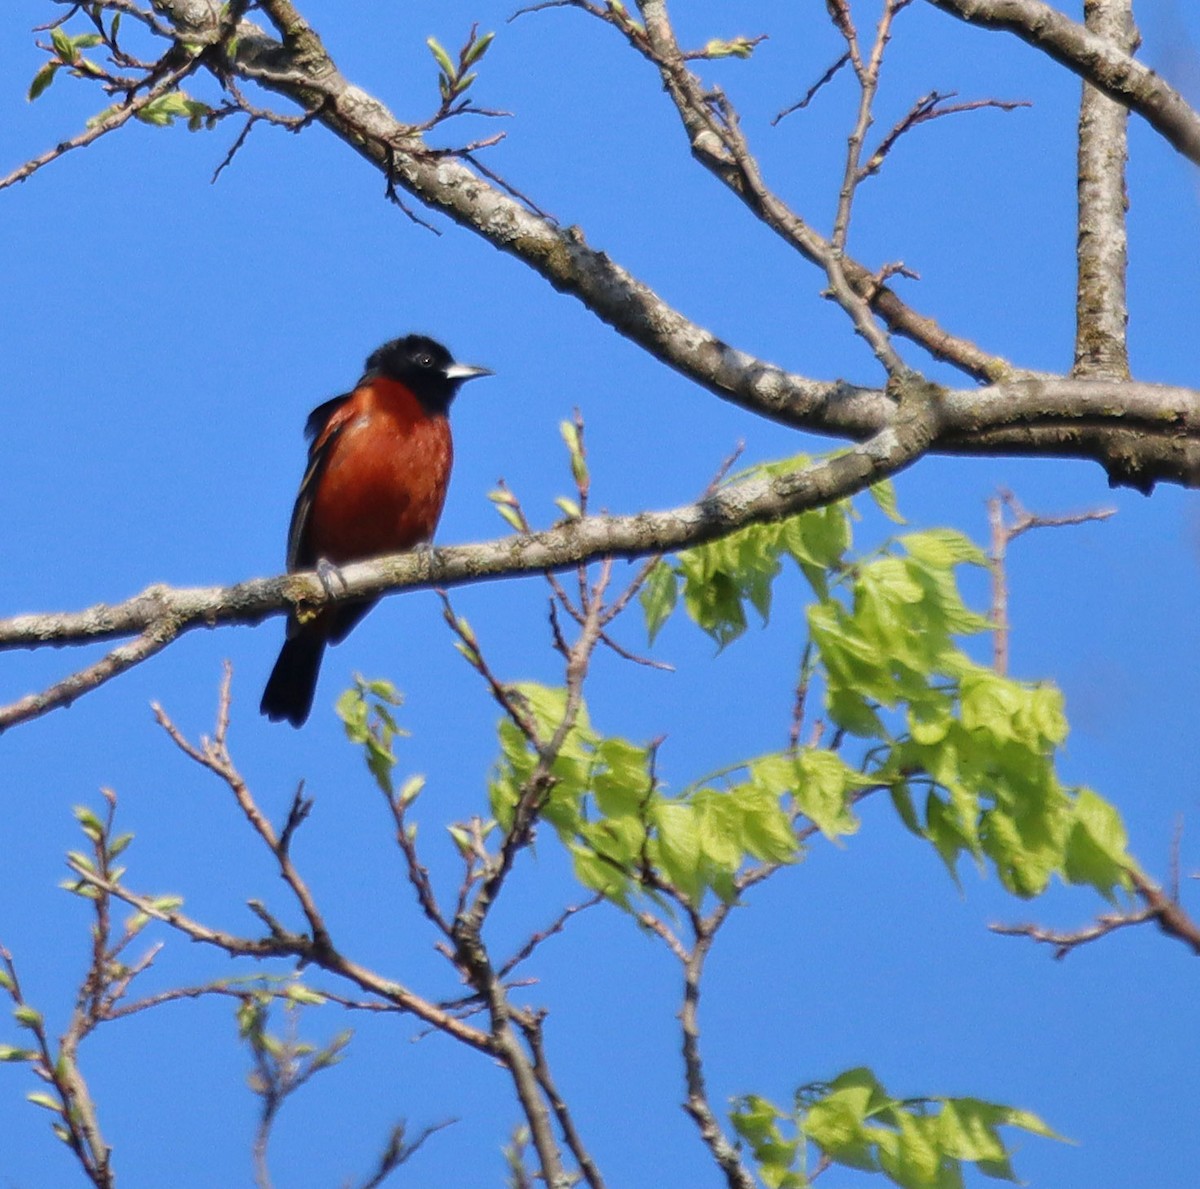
(379, 464)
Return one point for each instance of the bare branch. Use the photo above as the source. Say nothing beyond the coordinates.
(125, 656)
(1094, 58)
(304, 71)
(1003, 532)
(1169, 913)
(399, 1150)
(855, 303)
(930, 107)
(811, 93)
(556, 926)
(214, 755)
(1065, 942)
(697, 1104)
(531, 1026)
(1100, 308)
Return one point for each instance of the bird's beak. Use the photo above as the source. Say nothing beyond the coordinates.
(465, 371)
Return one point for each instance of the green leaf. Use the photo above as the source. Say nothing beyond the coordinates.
(62, 44)
(101, 116)
(511, 517)
(1096, 852)
(766, 829)
(597, 874)
(384, 690)
(718, 829)
(365, 711)
(118, 844)
(621, 779)
(930, 722)
(943, 606)
(410, 790)
(298, 993)
(902, 802)
(854, 665)
(44, 1100)
(658, 597)
(943, 548)
(163, 111)
(477, 49)
(836, 1121)
(990, 703)
(910, 1156)
(443, 59)
(824, 785)
(677, 846)
(890, 579)
(8, 1053)
(89, 822)
(819, 537)
(1044, 706)
(27, 1017)
(738, 47)
(884, 495)
(42, 80)
(853, 713)
(758, 1121)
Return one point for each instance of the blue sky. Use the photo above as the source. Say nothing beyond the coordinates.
(161, 342)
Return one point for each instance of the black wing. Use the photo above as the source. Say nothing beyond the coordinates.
(318, 456)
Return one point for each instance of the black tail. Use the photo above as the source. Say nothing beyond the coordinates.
(293, 681)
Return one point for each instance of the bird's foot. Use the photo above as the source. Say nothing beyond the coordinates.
(429, 554)
(330, 576)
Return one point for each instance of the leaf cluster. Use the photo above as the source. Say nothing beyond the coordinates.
(854, 1122)
(455, 77)
(887, 636)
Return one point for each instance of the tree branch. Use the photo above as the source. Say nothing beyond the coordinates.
(1094, 58)
(726, 1155)
(116, 118)
(1101, 315)
(1103, 429)
(283, 945)
(568, 544)
(1003, 533)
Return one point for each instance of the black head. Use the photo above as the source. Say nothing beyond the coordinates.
(423, 366)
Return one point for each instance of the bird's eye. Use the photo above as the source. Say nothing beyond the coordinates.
(424, 360)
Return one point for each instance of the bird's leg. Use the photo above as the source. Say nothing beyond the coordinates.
(330, 575)
(429, 553)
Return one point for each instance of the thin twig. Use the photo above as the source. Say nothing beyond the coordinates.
(1064, 943)
(531, 1026)
(555, 926)
(113, 664)
(1003, 532)
(115, 119)
(930, 107)
(213, 754)
(856, 305)
(811, 93)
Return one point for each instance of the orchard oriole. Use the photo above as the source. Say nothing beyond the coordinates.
(378, 469)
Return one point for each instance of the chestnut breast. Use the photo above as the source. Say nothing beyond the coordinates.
(384, 482)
